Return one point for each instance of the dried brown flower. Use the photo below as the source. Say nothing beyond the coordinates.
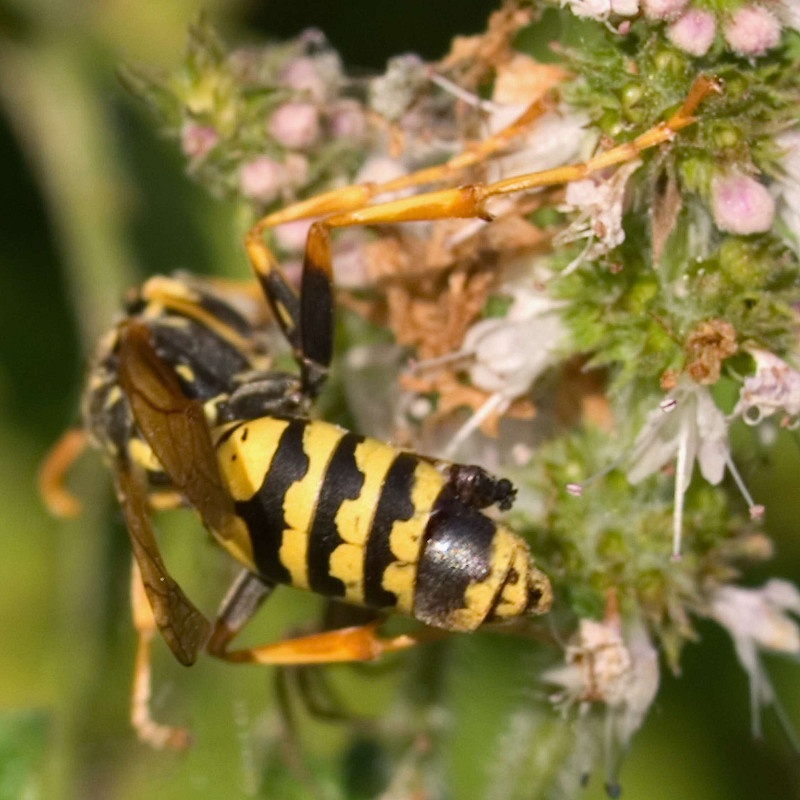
(707, 346)
(473, 57)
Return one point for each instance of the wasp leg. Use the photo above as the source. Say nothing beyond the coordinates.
(474, 154)
(147, 729)
(349, 198)
(308, 321)
(243, 599)
(361, 643)
(318, 696)
(164, 500)
(471, 201)
(58, 500)
(262, 395)
(190, 298)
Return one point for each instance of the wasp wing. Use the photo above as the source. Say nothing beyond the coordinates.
(183, 627)
(174, 426)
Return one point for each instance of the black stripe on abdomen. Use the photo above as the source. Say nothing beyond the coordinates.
(343, 481)
(263, 512)
(457, 552)
(394, 504)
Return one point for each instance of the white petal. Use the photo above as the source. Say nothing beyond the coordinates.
(656, 444)
(557, 138)
(713, 452)
(642, 687)
(625, 8)
(783, 594)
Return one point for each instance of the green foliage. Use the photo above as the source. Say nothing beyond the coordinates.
(23, 744)
(625, 83)
(615, 536)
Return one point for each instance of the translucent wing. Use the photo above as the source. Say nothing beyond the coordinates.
(176, 430)
(184, 628)
(174, 426)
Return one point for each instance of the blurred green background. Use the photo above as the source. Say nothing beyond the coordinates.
(93, 201)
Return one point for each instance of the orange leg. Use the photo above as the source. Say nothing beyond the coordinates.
(147, 729)
(312, 342)
(473, 154)
(59, 501)
(361, 643)
(349, 206)
(470, 201)
(349, 198)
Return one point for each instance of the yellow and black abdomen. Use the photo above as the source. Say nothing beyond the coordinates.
(353, 518)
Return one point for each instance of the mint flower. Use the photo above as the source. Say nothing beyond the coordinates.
(742, 205)
(511, 352)
(603, 665)
(294, 125)
(319, 76)
(787, 187)
(663, 9)
(693, 32)
(687, 426)
(774, 387)
(262, 179)
(752, 30)
(602, 9)
(759, 619)
(599, 203)
(508, 354)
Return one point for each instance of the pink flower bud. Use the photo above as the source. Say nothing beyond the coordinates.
(197, 140)
(294, 125)
(663, 9)
(693, 32)
(301, 75)
(262, 179)
(347, 120)
(741, 205)
(752, 30)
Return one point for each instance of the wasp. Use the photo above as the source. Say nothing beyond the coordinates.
(187, 409)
